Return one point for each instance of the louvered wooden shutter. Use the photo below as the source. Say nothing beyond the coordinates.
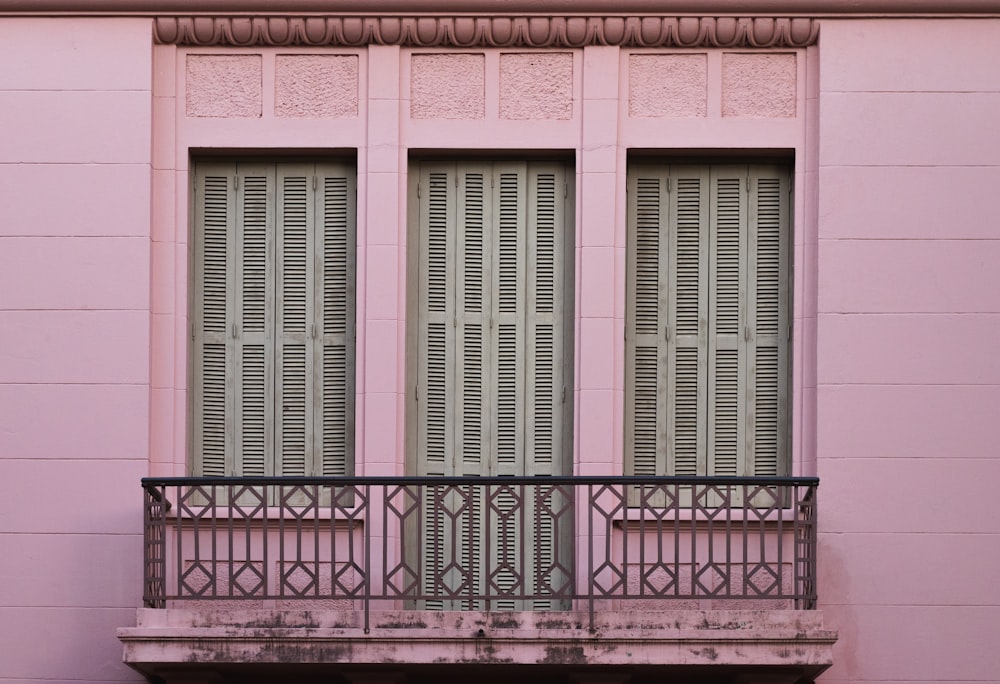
(273, 316)
(231, 388)
(335, 297)
(707, 311)
(213, 314)
(490, 353)
(768, 319)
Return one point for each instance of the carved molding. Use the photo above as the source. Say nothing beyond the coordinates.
(487, 32)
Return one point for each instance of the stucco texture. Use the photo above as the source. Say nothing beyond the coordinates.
(448, 86)
(316, 86)
(224, 86)
(536, 86)
(667, 86)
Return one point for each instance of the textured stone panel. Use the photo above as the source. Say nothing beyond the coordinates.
(667, 86)
(536, 86)
(224, 86)
(448, 86)
(758, 86)
(316, 86)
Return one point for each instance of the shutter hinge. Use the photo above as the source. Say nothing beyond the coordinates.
(565, 190)
(746, 333)
(564, 394)
(315, 183)
(418, 190)
(668, 183)
(668, 332)
(416, 393)
(312, 331)
(456, 180)
(192, 332)
(236, 182)
(236, 331)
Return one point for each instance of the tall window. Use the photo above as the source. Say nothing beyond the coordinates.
(273, 319)
(491, 367)
(492, 347)
(707, 352)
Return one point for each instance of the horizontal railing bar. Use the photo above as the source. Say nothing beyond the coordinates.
(493, 479)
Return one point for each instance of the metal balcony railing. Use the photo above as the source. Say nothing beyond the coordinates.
(481, 543)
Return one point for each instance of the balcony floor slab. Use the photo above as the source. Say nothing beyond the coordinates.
(718, 645)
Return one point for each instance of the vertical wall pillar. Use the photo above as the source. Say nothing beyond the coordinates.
(598, 241)
(381, 274)
(382, 234)
(600, 313)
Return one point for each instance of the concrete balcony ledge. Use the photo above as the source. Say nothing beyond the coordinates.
(784, 645)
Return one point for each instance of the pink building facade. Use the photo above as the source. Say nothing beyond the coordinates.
(292, 245)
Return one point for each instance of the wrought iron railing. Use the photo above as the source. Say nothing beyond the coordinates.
(478, 543)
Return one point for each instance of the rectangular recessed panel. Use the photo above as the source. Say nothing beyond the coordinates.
(215, 233)
(473, 238)
(726, 394)
(253, 409)
(295, 253)
(335, 427)
(686, 412)
(543, 434)
(336, 250)
(768, 255)
(687, 260)
(293, 410)
(437, 400)
(507, 398)
(508, 243)
(472, 397)
(647, 256)
(766, 412)
(437, 243)
(545, 243)
(213, 410)
(727, 256)
(645, 409)
(254, 257)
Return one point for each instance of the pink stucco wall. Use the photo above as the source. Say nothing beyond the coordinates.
(74, 341)
(896, 310)
(908, 377)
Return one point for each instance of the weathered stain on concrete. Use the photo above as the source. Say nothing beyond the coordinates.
(564, 655)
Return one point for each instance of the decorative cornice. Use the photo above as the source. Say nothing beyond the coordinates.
(484, 32)
(778, 8)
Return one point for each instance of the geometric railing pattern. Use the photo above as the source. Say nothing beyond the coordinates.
(482, 543)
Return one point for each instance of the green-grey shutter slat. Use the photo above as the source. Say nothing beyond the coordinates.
(686, 272)
(215, 216)
(252, 279)
(435, 442)
(645, 448)
(507, 368)
(335, 298)
(768, 319)
(727, 327)
(471, 286)
(544, 297)
(295, 275)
